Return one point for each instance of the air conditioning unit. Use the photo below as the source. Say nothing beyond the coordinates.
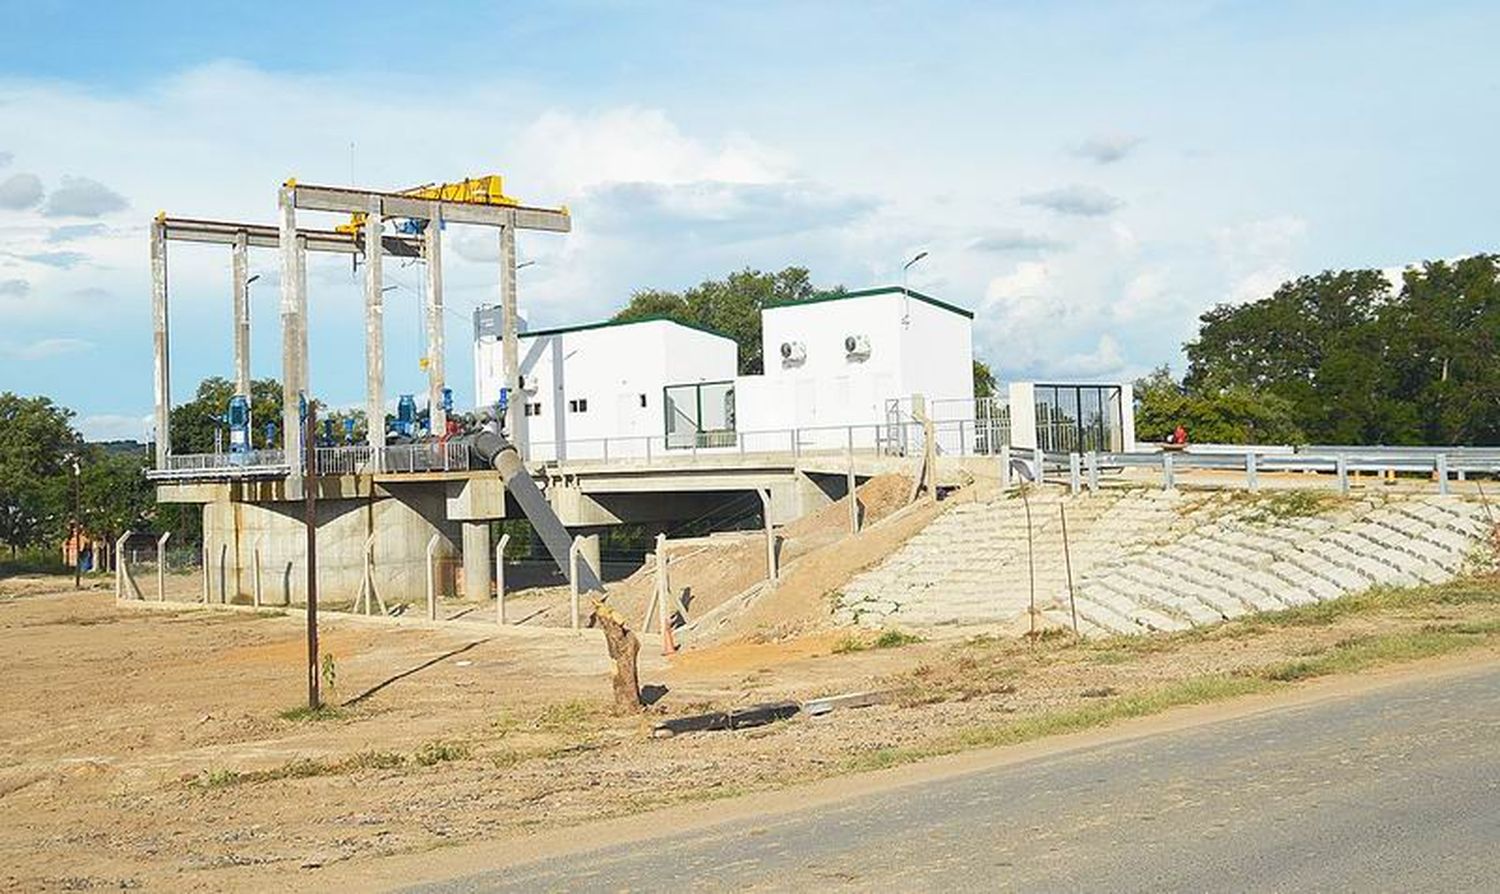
(793, 353)
(857, 347)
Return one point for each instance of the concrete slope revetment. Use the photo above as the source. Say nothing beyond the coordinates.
(1137, 561)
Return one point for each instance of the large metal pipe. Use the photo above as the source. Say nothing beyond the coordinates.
(495, 450)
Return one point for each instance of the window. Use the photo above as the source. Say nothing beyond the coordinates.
(534, 409)
(578, 405)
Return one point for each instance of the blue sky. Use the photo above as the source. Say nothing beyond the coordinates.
(1087, 177)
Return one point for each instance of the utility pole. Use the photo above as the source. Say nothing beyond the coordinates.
(310, 504)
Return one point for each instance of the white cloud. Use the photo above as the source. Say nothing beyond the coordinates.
(1107, 148)
(82, 197)
(14, 288)
(46, 348)
(113, 427)
(1012, 239)
(20, 191)
(1103, 361)
(1079, 201)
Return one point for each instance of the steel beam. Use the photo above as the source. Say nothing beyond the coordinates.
(219, 232)
(160, 342)
(433, 242)
(345, 199)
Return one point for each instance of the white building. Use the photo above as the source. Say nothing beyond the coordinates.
(837, 367)
(583, 384)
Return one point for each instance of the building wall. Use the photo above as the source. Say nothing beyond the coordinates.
(618, 372)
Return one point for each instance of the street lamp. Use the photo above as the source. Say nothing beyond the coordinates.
(905, 294)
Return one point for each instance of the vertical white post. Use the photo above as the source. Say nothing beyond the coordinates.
(663, 589)
(1441, 467)
(500, 579)
(122, 574)
(433, 243)
(432, 577)
(241, 274)
(1341, 468)
(1039, 463)
(161, 566)
(1252, 473)
(374, 328)
(1093, 471)
(291, 341)
(205, 567)
(1075, 483)
(573, 549)
(1167, 480)
(1004, 466)
(765, 508)
(255, 559)
(851, 486)
(515, 417)
(160, 342)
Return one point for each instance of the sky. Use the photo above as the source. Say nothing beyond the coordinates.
(1087, 177)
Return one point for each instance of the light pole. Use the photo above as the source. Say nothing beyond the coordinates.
(905, 293)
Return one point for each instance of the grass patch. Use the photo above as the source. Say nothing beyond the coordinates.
(438, 752)
(215, 779)
(1288, 504)
(568, 716)
(848, 644)
(888, 639)
(1358, 653)
(304, 713)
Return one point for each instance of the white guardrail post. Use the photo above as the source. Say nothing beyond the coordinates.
(1341, 469)
(1167, 482)
(1252, 474)
(1441, 468)
(500, 579)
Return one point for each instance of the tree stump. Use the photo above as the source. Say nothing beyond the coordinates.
(624, 645)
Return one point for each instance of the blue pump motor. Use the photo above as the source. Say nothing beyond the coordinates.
(406, 416)
(239, 424)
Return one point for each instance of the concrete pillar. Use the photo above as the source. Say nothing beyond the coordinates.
(476, 560)
(292, 304)
(241, 284)
(374, 333)
(515, 413)
(433, 243)
(160, 342)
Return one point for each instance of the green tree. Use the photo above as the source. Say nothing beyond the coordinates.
(36, 436)
(194, 422)
(1233, 415)
(731, 306)
(984, 380)
(114, 494)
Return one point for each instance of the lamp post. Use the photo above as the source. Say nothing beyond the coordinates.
(905, 293)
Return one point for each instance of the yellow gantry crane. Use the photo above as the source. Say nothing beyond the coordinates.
(486, 190)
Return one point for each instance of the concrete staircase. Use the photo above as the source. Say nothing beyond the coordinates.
(1152, 560)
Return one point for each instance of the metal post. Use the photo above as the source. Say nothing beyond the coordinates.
(1093, 471)
(310, 508)
(1441, 467)
(1341, 468)
(161, 566)
(241, 285)
(852, 487)
(765, 508)
(500, 579)
(374, 328)
(431, 578)
(1167, 480)
(1075, 477)
(1252, 473)
(433, 244)
(161, 345)
(573, 549)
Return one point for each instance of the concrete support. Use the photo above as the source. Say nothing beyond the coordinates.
(1252, 473)
(433, 246)
(293, 341)
(374, 333)
(1004, 466)
(1093, 472)
(432, 546)
(1075, 474)
(515, 413)
(241, 275)
(160, 342)
(852, 487)
(161, 566)
(1441, 468)
(765, 508)
(476, 560)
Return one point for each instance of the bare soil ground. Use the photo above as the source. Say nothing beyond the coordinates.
(147, 749)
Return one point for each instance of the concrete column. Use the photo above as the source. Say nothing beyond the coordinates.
(241, 267)
(374, 333)
(515, 413)
(293, 299)
(433, 243)
(477, 560)
(160, 343)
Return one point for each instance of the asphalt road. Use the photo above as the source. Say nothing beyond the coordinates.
(1392, 790)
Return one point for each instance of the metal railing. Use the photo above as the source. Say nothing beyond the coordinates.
(253, 463)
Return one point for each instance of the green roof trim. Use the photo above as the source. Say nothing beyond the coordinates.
(880, 290)
(610, 324)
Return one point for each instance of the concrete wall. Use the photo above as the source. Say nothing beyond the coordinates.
(234, 532)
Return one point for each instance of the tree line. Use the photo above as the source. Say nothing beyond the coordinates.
(1343, 357)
